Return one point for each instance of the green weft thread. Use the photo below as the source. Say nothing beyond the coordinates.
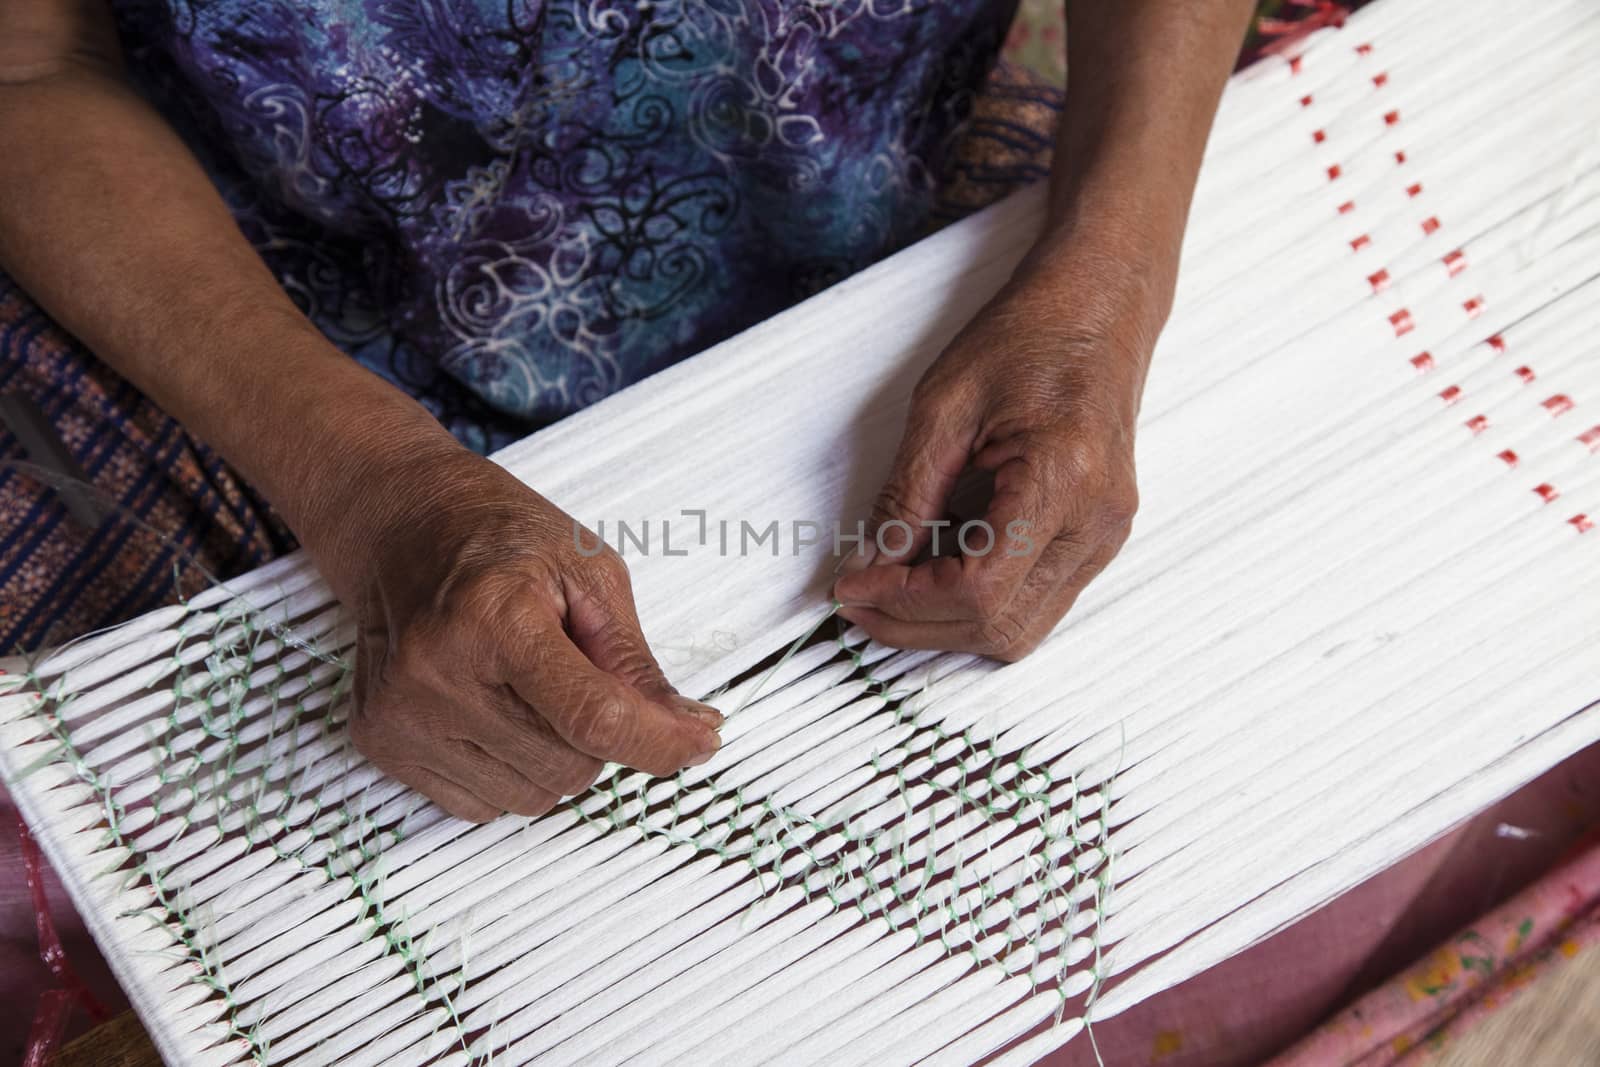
(1043, 876)
(218, 694)
(866, 856)
(1104, 883)
(210, 975)
(258, 789)
(397, 938)
(793, 649)
(1003, 791)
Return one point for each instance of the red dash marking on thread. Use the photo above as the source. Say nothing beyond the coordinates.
(1424, 363)
(1525, 373)
(1391, 118)
(1400, 158)
(1450, 394)
(1414, 190)
(1347, 207)
(1364, 49)
(1497, 343)
(1401, 321)
(1478, 423)
(1455, 262)
(1318, 136)
(1509, 458)
(1360, 242)
(1547, 492)
(1557, 405)
(1379, 280)
(1305, 101)
(1295, 63)
(1430, 225)
(1590, 438)
(1334, 172)
(1581, 523)
(1473, 307)
(1381, 79)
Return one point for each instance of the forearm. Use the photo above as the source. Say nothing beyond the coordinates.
(1144, 79)
(113, 227)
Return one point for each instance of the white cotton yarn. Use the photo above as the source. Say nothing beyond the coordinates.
(1362, 602)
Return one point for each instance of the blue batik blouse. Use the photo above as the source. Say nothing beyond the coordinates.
(512, 208)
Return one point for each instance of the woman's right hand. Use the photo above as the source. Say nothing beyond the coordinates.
(498, 666)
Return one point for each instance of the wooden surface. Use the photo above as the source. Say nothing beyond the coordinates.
(1553, 1023)
(121, 1042)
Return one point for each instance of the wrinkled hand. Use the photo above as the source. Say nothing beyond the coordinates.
(1041, 391)
(498, 666)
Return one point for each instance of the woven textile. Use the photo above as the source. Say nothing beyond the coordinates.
(1360, 606)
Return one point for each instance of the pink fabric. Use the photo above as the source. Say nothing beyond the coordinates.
(44, 1008)
(1257, 1004)
(1254, 1005)
(1413, 1017)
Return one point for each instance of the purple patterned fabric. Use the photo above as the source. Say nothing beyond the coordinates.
(515, 207)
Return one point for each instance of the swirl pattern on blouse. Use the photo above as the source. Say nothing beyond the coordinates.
(513, 208)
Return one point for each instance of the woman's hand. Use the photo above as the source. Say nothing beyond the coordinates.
(1040, 390)
(498, 667)
(1043, 386)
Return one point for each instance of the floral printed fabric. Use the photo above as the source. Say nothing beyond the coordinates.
(1414, 1018)
(151, 512)
(545, 200)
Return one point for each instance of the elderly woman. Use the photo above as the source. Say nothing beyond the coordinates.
(504, 211)
(507, 211)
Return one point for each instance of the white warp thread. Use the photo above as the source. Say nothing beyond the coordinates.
(1362, 602)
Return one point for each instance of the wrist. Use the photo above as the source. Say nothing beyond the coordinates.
(1107, 284)
(372, 466)
(1121, 203)
(332, 445)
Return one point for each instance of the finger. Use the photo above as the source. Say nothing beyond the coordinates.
(898, 633)
(1029, 517)
(933, 452)
(1008, 639)
(997, 554)
(601, 715)
(455, 799)
(925, 592)
(491, 779)
(954, 589)
(517, 735)
(1059, 602)
(604, 624)
(997, 633)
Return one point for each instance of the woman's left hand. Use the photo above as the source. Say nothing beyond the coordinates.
(1041, 390)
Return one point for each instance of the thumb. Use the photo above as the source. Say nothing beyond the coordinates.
(933, 452)
(603, 622)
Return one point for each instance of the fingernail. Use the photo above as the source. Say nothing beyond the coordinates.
(841, 593)
(705, 757)
(704, 712)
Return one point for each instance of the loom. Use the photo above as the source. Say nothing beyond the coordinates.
(1361, 603)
